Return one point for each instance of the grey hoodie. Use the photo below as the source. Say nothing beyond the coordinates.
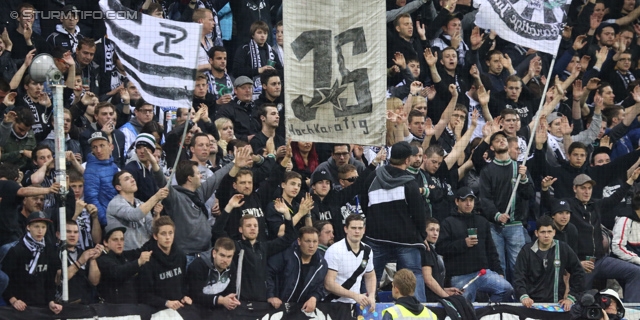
(121, 213)
(193, 231)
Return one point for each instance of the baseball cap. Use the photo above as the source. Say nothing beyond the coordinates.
(38, 216)
(465, 192)
(499, 133)
(242, 80)
(582, 179)
(560, 206)
(110, 229)
(319, 176)
(146, 140)
(553, 116)
(451, 17)
(402, 150)
(70, 8)
(98, 135)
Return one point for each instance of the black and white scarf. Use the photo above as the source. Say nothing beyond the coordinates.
(217, 33)
(216, 88)
(626, 78)
(85, 240)
(36, 247)
(256, 62)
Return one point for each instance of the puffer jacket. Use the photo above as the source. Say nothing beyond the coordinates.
(98, 189)
(283, 274)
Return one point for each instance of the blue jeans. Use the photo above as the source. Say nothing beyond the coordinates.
(509, 240)
(492, 283)
(406, 257)
(4, 278)
(627, 274)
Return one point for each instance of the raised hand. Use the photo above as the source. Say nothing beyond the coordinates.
(594, 21)
(601, 55)
(243, 157)
(547, 182)
(10, 100)
(578, 90)
(483, 95)
(579, 42)
(415, 87)
(29, 57)
(429, 129)
(593, 84)
(398, 59)
(431, 92)
(474, 72)
(453, 89)
(506, 61)
(236, 201)
(280, 206)
(475, 40)
(421, 30)
(430, 57)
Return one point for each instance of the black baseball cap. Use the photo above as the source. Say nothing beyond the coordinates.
(465, 192)
(402, 150)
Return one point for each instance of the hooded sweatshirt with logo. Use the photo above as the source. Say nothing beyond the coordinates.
(206, 283)
(163, 278)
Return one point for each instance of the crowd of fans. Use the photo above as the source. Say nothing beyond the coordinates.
(436, 197)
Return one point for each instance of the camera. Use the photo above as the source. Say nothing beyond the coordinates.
(593, 303)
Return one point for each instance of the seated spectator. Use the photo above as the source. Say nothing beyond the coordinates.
(145, 168)
(340, 155)
(17, 138)
(590, 250)
(127, 211)
(406, 305)
(256, 57)
(83, 273)
(433, 269)
(163, 282)
(458, 245)
(297, 274)
(67, 33)
(212, 277)
(119, 269)
(239, 110)
(99, 174)
(535, 280)
(32, 265)
(105, 123)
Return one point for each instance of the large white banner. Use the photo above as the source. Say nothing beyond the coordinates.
(159, 55)
(334, 66)
(535, 24)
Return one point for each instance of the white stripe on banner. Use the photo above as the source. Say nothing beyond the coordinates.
(533, 24)
(384, 195)
(335, 71)
(159, 55)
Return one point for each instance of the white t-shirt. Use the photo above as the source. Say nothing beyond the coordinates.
(340, 258)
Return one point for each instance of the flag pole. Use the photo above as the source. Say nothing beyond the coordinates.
(536, 121)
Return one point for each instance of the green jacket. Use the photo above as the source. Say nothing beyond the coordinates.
(12, 145)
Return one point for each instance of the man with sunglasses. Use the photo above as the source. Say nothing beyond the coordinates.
(340, 155)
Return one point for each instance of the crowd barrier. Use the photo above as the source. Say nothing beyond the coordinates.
(264, 311)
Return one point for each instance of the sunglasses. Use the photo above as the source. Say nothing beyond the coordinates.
(352, 179)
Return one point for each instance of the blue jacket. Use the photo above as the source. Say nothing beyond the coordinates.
(283, 271)
(98, 189)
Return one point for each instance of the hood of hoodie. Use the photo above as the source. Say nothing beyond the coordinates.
(207, 258)
(411, 303)
(631, 215)
(390, 177)
(170, 260)
(134, 122)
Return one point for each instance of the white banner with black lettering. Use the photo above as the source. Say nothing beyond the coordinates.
(535, 24)
(335, 71)
(159, 55)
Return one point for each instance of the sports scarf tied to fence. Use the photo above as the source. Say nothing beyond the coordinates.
(535, 24)
(159, 55)
(334, 67)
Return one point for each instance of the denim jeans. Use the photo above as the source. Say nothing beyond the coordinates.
(492, 283)
(407, 257)
(509, 240)
(627, 274)
(4, 279)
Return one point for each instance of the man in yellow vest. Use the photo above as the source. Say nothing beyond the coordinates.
(407, 306)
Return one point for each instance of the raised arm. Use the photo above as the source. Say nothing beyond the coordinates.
(461, 144)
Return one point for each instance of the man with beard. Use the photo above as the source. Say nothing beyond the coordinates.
(212, 277)
(497, 180)
(272, 94)
(270, 119)
(325, 240)
(220, 82)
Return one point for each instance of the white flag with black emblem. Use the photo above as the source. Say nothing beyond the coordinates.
(159, 55)
(335, 71)
(535, 24)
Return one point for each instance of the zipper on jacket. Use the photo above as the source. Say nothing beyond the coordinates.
(313, 276)
(297, 279)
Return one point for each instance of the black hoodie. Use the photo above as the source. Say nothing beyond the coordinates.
(163, 278)
(206, 283)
